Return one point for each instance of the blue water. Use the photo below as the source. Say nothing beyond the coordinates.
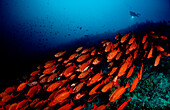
(31, 29)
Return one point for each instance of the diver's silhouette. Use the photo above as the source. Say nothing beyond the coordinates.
(134, 14)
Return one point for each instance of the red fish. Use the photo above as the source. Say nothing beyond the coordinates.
(91, 48)
(6, 98)
(84, 65)
(21, 104)
(93, 90)
(134, 84)
(60, 59)
(34, 73)
(154, 36)
(82, 57)
(80, 95)
(13, 106)
(85, 51)
(10, 89)
(91, 98)
(54, 86)
(118, 55)
(49, 63)
(48, 108)
(72, 76)
(107, 87)
(117, 36)
(33, 90)
(124, 104)
(159, 48)
(41, 76)
(150, 53)
(166, 54)
(22, 86)
(127, 51)
(112, 54)
(107, 80)
(118, 92)
(73, 56)
(135, 54)
(132, 39)
(157, 60)
(31, 79)
(66, 61)
(102, 107)
(84, 74)
(122, 69)
(33, 83)
(59, 54)
(93, 52)
(140, 73)
(49, 70)
(163, 37)
(80, 107)
(115, 45)
(52, 77)
(144, 38)
(113, 71)
(105, 41)
(40, 103)
(78, 87)
(145, 45)
(67, 106)
(95, 78)
(130, 71)
(68, 64)
(79, 49)
(34, 102)
(133, 46)
(44, 79)
(61, 97)
(125, 37)
(97, 60)
(2, 94)
(108, 47)
(68, 70)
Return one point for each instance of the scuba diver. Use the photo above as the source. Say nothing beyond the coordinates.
(133, 14)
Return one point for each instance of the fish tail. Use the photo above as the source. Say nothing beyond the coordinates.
(138, 75)
(127, 85)
(71, 103)
(108, 105)
(129, 99)
(71, 90)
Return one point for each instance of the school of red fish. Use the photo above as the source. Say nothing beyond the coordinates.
(65, 80)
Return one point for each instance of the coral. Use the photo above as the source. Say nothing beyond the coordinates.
(153, 91)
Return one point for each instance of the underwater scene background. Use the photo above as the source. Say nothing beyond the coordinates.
(32, 32)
